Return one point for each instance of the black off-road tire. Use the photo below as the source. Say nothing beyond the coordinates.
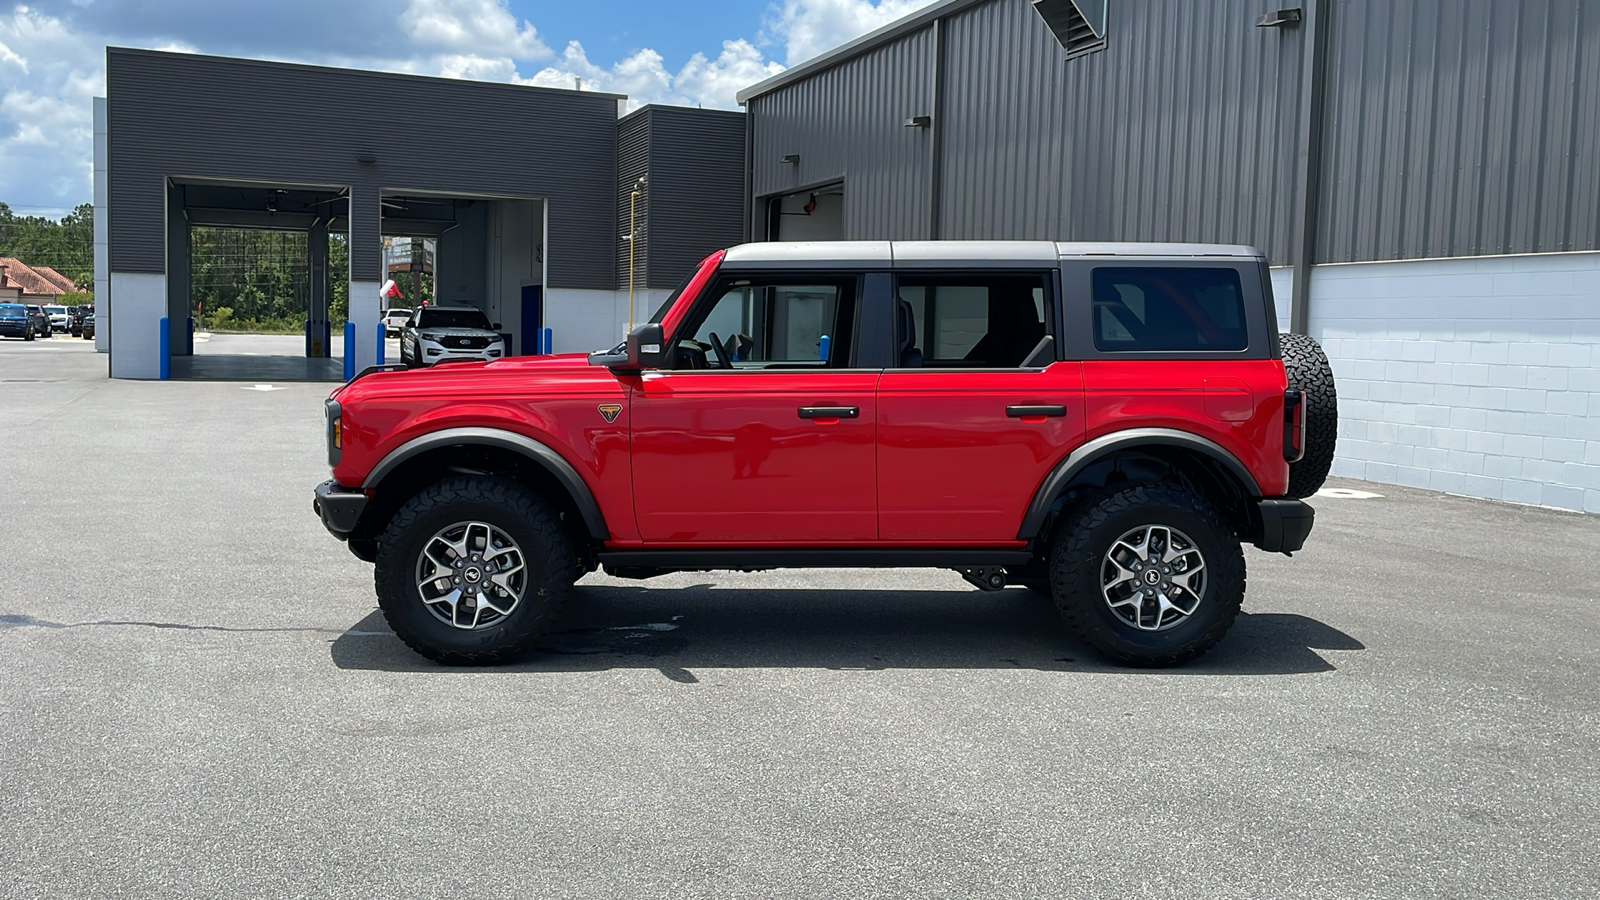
(27, 333)
(547, 550)
(1078, 557)
(1309, 372)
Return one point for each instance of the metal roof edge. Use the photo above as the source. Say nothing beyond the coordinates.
(675, 107)
(280, 64)
(847, 51)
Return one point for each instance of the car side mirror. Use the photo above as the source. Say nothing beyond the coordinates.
(642, 350)
(494, 326)
(645, 349)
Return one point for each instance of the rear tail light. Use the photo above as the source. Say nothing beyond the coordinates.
(1294, 425)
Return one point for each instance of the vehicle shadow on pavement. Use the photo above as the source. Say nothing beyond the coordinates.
(679, 630)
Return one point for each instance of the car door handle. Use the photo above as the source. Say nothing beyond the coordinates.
(829, 412)
(1030, 412)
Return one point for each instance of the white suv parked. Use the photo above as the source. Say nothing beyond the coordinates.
(435, 334)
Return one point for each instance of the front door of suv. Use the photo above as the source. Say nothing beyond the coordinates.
(760, 432)
(977, 409)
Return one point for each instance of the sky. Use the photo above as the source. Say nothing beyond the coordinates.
(690, 52)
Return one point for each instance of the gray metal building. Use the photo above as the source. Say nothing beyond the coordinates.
(1425, 173)
(517, 184)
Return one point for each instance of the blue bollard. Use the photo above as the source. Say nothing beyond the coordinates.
(382, 346)
(165, 344)
(349, 350)
(548, 337)
(822, 347)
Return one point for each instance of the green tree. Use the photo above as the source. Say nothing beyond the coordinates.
(66, 245)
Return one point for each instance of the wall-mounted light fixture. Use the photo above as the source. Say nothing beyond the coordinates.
(367, 158)
(920, 122)
(1280, 19)
(790, 159)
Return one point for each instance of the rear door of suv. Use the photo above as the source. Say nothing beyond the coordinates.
(1180, 343)
(977, 405)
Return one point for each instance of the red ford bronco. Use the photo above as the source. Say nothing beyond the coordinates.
(1101, 423)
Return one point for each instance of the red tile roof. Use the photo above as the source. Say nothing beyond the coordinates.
(33, 283)
(66, 284)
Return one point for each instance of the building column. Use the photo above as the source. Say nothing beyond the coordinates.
(178, 302)
(318, 333)
(102, 232)
(366, 272)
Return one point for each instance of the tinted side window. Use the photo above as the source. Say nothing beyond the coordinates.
(1162, 308)
(992, 321)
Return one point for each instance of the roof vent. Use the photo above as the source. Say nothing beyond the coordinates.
(1079, 25)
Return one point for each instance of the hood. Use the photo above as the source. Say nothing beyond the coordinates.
(431, 333)
(563, 373)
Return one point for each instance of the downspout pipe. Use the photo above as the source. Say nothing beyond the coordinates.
(1308, 162)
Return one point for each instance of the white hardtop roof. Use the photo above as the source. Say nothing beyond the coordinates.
(944, 254)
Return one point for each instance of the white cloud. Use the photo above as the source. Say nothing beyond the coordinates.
(46, 113)
(808, 28)
(7, 55)
(716, 81)
(52, 61)
(478, 28)
(645, 78)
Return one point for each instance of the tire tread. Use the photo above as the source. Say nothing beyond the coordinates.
(1075, 571)
(558, 564)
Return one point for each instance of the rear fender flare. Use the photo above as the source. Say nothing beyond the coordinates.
(536, 451)
(1105, 445)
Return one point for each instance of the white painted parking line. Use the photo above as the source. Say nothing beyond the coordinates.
(262, 387)
(1348, 494)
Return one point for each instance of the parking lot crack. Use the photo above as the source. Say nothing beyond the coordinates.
(15, 620)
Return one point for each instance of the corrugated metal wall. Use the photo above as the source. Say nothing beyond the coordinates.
(848, 123)
(693, 199)
(696, 188)
(1454, 127)
(1183, 128)
(198, 116)
(633, 161)
(1461, 128)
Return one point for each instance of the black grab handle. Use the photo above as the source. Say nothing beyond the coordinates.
(1019, 412)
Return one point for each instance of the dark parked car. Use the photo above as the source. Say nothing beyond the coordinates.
(15, 322)
(87, 332)
(76, 317)
(40, 320)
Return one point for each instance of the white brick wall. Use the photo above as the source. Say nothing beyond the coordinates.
(1474, 376)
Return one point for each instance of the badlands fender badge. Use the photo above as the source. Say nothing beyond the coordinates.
(610, 411)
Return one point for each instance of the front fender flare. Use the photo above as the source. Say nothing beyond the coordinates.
(1099, 448)
(536, 451)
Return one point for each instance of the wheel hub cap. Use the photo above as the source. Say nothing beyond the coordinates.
(471, 575)
(1153, 578)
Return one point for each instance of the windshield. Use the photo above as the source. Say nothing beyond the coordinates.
(56, 310)
(396, 313)
(12, 309)
(453, 318)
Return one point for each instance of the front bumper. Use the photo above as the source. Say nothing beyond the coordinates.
(10, 330)
(1285, 524)
(339, 508)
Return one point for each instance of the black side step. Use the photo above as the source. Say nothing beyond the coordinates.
(848, 558)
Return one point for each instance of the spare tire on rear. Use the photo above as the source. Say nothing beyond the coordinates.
(1310, 373)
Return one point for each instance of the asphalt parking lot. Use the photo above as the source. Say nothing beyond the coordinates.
(198, 699)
